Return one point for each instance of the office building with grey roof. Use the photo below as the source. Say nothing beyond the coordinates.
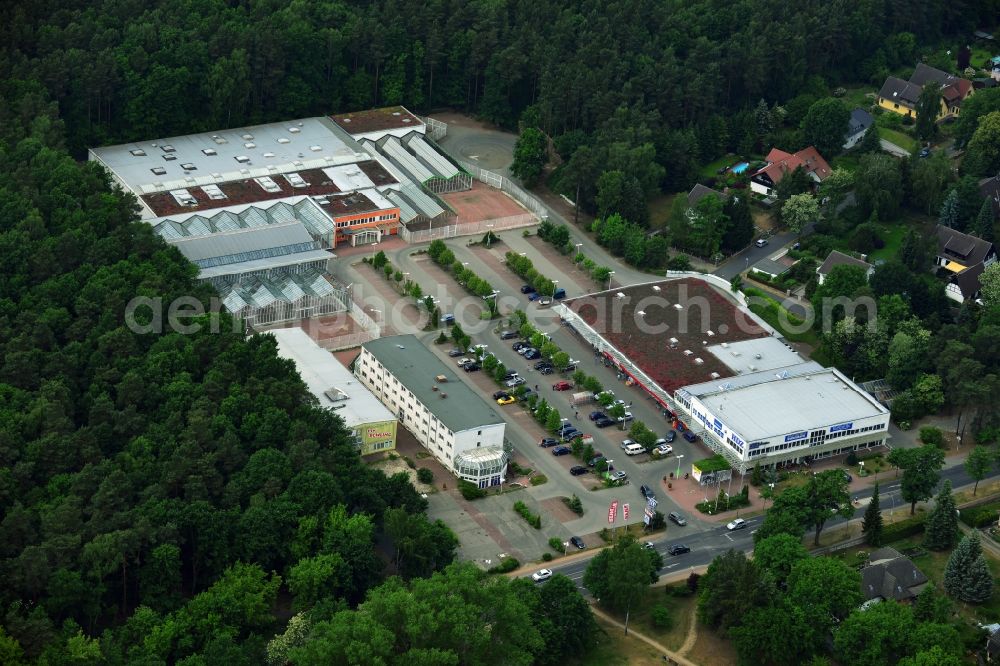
(464, 432)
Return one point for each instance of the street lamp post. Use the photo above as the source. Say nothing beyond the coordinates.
(554, 283)
(489, 234)
(678, 475)
(610, 273)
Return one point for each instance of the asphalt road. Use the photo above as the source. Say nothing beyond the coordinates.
(706, 545)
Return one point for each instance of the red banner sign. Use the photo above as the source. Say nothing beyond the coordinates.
(612, 512)
(625, 512)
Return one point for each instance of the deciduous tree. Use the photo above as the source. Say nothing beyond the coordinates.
(825, 126)
(921, 471)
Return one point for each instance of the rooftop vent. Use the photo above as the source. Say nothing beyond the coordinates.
(735, 353)
(698, 361)
(396, 113)
(138, 152)
(209, 151)
(248, 137)
(346, 120)
(757, 356)
(169, 158)
(752, 368)
(678, 306)
(250, 145)
(189, 180)
(406, 120)
(315, 149)
(218, 139)
(159, 171)
(284, 139)
(656, 288)
(444, 395)
(297, 163)
(187, 166)
(619, 295)
(217, 175)
(725, 345)
(268, 154)
(710, 333)
(688, 352)
(715, 375)
(167, 148)
(294, 130)
(245, 172)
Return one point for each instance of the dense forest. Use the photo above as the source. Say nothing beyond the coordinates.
(171, 498)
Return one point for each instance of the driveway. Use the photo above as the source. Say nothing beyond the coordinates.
(893, 149)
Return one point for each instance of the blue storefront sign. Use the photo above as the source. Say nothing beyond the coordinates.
(842, 426)
(795, 436)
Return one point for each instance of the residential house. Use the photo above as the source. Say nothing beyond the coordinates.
(699, 192)
(901, 96)
(992, 652)
(860, 121)
(990, 189)
(995, 68)
(837, 258)
(963, 258)
(890, 576)
(780, 163)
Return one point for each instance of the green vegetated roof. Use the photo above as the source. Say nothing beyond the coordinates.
(715, 463)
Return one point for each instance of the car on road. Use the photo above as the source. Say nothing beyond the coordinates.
(541, 575)
(562, 385)
(561, 451)
(597, 415)
(646, 491)
(677, 518)
(737, 524)
(548, 441)
(516, 381)
(463, 361)
(471, 367)
(578, 470)
(543, 364)
(455, 353)
(527, 289)
(690, 436)
(604, 422)
(508, 335)
(761, 242)
(619, 476)
(500, 394)
(596, 459)
(671, 436)
(678, 549)
(532, 354)
(534, 296)
(578, 542)
(507, 400)
(662, 448)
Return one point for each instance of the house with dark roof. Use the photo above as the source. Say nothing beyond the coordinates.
(890, 576)
(963, 258)
(901, 96)
(860, 121)
(699, 192)
(780, 163)
(837, 258)
(990, 189)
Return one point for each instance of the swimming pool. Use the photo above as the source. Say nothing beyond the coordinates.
(740, 168)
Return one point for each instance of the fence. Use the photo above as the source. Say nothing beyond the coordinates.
(507, 186)
(468, 229)
(435, 129)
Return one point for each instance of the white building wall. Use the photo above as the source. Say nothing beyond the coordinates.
(759, 189)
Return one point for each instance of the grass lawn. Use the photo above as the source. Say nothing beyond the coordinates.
(771, 311)
(893, 236)
(856, 96)
(682, 612)
(904, 141)
(659, 209)
(847, 162)
(614, 648)
(711, 169)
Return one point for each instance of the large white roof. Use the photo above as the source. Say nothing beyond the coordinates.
(322, 372)
(776, 406)
(755, 355)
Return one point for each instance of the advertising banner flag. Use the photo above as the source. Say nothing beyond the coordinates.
(625, 512)
(612, 512)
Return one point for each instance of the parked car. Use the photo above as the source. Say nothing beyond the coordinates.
(737, 524)
(463, 361)
(548, 441)
(561, 451)
(455, 353)
(532, 354)
(627, 443)
(619, 476)
(662, 448)
(578, 470)
(545, 301)
(527, 289)
(677, 518)
(848, 477)
(690, 436)
(562, 386)
(571, 434)
(508, 335)
(447, 319)
(516, 381)
(524, 350)
(471, 367)
(547, 370)
(500, 394)
(480, 347)
(678, 549)
(527, 394)
(593, 461)
(559, 293)
(924, 152)
(671, 436)
(646, 491)
(510, 374)
(627, 416)
(597, 415)
(761, 242)
(578, 542)
(649, 545)
(604, 422)
(543, 364)
(508, 400)
(534, 296)
(519, 345)
(541, 575)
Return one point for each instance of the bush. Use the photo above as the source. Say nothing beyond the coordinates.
(424, 475)
(409, 462)
(539, 479)
(933, 436)
(903, 528)
(470, 491)
(981, 516)
(506, 565)
(556, 544)
(546, 557)
(574, 504)
(692, 582)
(522, 510)
(662, 617)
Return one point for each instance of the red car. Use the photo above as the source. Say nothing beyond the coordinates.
(562, 386)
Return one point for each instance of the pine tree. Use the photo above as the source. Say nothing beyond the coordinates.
(966, 576)
(949, 210)
(983, 227)
(941, 531)
(871, 525)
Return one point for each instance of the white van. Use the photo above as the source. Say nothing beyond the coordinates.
(634, 449)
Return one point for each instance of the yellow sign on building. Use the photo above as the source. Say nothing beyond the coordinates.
(375, 437)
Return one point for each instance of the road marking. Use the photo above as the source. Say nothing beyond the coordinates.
(753, 532)
(670, 566)
(728, 537)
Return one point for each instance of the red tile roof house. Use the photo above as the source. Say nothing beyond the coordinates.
(780, 163)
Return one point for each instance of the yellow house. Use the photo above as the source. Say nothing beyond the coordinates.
(901, 96)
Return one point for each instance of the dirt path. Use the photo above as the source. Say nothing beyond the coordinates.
(692, 636)
(673, 657)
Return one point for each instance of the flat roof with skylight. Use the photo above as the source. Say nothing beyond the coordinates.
(756, 354)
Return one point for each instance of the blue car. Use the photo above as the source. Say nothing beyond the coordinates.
(690, 436)
(534, 296)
